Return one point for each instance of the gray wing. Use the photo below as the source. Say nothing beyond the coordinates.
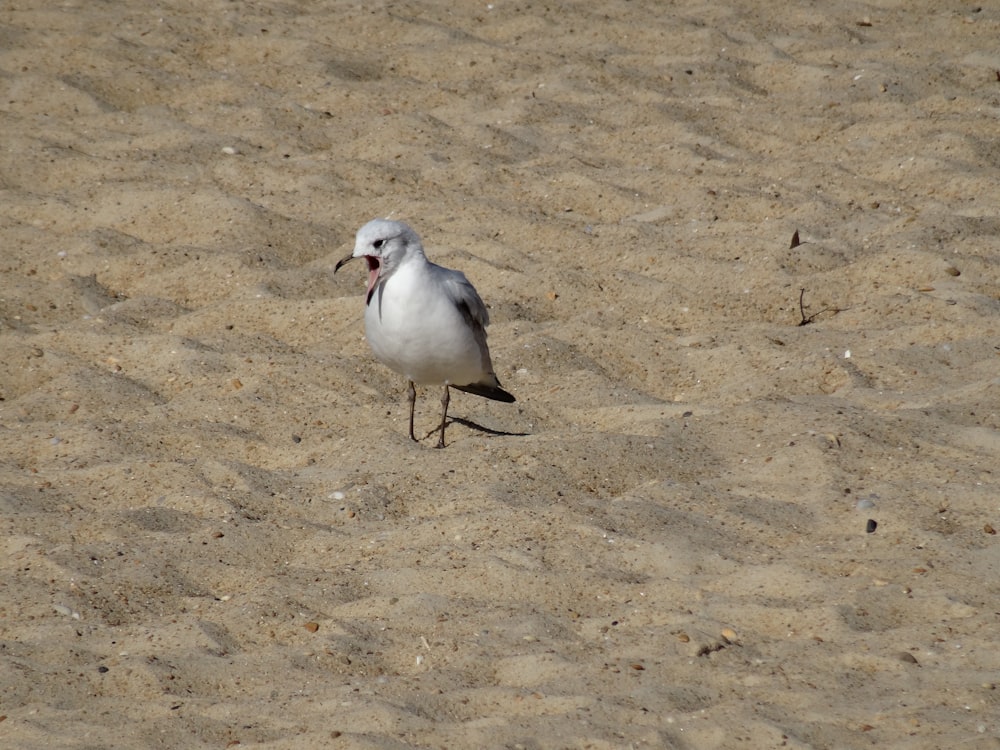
(466, 299)
(473, 310)
(471, 306)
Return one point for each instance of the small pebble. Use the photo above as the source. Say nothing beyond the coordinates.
(312, 627)
(228, 150)
(64, 610)
(871, 526)
(865, 503)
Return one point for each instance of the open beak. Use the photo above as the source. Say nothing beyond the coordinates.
(341, 262)
(374, 266)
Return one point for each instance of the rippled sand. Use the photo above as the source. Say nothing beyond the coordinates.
(749, 491)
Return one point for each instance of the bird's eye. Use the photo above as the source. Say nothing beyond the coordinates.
(378, 243)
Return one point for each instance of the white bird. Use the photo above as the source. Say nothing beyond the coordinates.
(422, 320)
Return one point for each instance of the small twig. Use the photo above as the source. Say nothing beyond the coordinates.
(806, 320)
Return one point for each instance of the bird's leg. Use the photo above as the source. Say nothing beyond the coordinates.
(445, 398)
(411, 393)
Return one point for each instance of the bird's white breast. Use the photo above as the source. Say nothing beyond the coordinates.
(415, 328)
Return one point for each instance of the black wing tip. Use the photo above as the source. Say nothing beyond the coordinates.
(487, 391)
(501, 395)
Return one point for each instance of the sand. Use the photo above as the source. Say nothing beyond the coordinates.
(748, 494)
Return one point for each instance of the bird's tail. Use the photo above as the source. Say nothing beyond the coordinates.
(486, 390)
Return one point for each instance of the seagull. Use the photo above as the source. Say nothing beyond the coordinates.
(422, 320)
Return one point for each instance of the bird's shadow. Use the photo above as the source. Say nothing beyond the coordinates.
(475, 426)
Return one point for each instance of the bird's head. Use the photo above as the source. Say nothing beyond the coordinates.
(384, 245)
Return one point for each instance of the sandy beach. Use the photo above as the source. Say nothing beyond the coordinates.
(742, 261)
